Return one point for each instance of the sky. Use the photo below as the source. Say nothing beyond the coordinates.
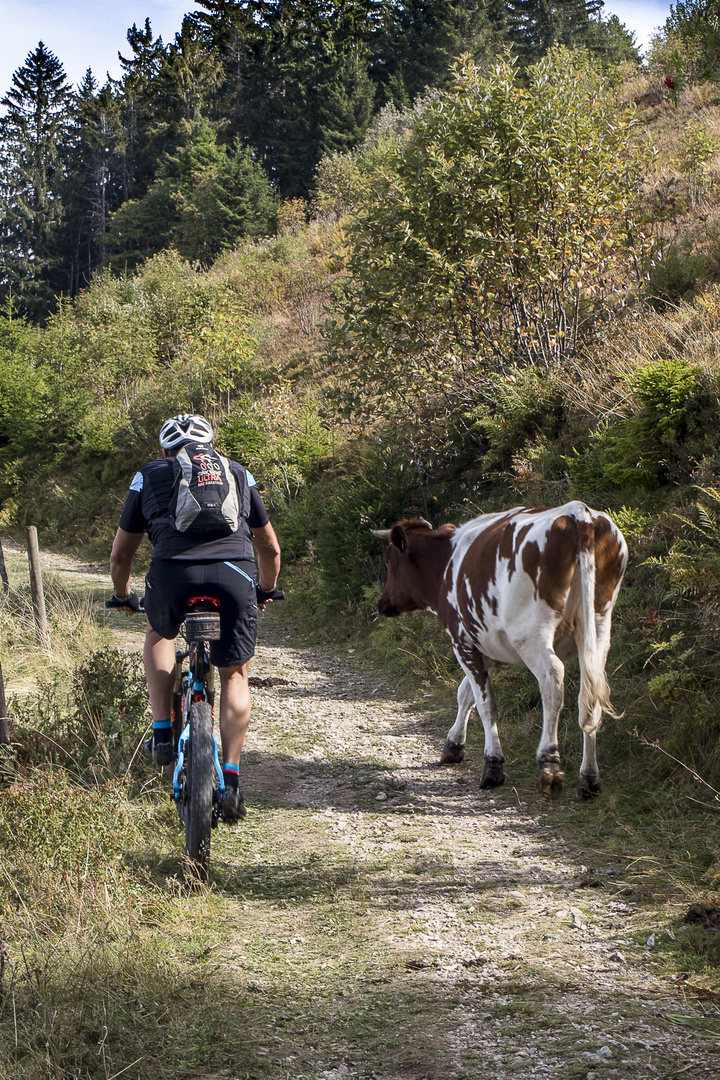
(90, 33)
(81, 33)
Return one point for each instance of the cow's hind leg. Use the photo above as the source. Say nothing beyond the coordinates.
(454, 748)
(590, 709)
(589, 783)
(549, 671)
(478, 682)
(589, 719)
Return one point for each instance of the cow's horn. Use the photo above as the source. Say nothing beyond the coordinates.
(382, 534)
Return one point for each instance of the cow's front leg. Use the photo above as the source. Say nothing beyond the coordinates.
(478, 680)
(454, 748)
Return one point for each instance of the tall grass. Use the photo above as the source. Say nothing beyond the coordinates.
(73, 630)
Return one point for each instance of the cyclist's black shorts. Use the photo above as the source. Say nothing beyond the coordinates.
(171, 582)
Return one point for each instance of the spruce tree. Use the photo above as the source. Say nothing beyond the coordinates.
(296, 78)
(420, 39)
(137, 90)
(534, 26)
(190, 74)
(205, 198)
(93, 188)
(33, 137)
(234, 33)
(345, 96)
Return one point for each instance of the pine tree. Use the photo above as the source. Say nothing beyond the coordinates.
(93, 187)
(33, 134)
(420, 39)
(534, 26)
(137, 89)
(205, 198)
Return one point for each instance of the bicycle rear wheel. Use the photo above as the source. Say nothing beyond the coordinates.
(198, 812)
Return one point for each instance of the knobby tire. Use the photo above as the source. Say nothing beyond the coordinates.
(198, 817)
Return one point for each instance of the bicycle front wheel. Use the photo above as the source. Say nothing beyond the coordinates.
(198, 813)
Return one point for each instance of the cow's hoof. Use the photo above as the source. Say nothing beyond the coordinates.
(493, 775)
(588, 789)
(551, 780)
(452, 753)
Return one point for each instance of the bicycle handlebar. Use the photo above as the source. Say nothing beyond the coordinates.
(134, 603)
(273, 594)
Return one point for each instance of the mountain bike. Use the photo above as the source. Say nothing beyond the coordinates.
(198, 784)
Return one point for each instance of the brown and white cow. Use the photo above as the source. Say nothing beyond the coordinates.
(525, 586)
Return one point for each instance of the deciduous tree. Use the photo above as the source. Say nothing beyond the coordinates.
(503, 226)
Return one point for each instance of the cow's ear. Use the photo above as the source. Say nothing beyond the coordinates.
(397, 537)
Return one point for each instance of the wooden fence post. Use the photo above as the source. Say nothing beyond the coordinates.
(3, 572)
(4, 722)
(36, 585)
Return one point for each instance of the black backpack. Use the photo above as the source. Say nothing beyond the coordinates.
(205, 499)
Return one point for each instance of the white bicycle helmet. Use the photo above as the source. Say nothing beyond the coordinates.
(189, 427)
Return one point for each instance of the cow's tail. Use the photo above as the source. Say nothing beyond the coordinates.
(594, 697)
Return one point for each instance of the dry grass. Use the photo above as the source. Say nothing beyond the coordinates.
(73, 631)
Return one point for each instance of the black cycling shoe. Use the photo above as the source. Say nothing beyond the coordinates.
(161, 753)
(233, 807)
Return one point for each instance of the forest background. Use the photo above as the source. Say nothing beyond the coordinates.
(433, 258)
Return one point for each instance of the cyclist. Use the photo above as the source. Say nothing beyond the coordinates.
(183, 566)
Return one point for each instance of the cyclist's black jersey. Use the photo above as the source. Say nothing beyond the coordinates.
(148, 502)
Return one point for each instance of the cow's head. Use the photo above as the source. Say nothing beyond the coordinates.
(406, 588)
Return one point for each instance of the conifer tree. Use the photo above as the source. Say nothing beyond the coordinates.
(190, 73)
(33, 135)
(345, 99)
(296, 78)
(420, 39)
(137, 89)
(205, 197)
(535, 26)
(93, 188)
(532, 28)
(233, 33)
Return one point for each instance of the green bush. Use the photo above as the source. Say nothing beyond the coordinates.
(670, 430)
(676, 273)
(328, 528)
(92, 726)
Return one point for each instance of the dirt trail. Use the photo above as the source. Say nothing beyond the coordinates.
(484, 901)
(464, 935)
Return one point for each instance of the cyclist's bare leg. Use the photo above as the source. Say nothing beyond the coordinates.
(235, 706)
(159, 659)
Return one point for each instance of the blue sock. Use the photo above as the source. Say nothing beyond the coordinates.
(162, 731)
(231, 775)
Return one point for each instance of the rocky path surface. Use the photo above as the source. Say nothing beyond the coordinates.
(466, 935)
(484, 902)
